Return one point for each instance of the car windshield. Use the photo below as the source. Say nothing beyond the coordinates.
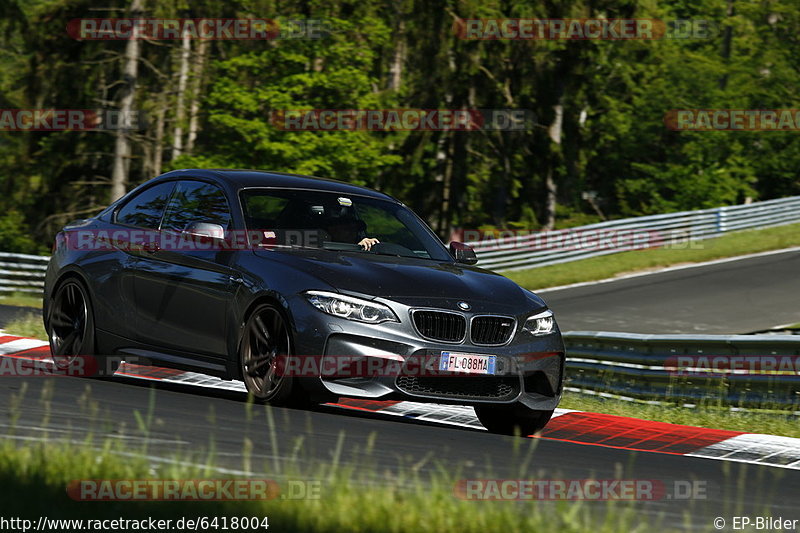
(339, 222)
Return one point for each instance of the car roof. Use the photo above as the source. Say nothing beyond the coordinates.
(242, 179)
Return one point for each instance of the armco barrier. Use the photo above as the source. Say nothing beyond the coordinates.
(687, 368)
(546, 248)
(22, 273)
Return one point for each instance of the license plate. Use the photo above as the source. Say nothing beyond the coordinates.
(467, 363)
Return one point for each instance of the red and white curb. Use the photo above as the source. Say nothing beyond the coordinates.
(577, 427)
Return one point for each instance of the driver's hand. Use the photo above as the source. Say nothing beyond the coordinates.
(368, 243)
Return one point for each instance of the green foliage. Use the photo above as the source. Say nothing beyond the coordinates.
(614, 94)
(15, 235)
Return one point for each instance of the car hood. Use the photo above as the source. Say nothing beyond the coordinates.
(409, 280)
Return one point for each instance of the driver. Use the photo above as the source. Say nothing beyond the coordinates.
(351, 230)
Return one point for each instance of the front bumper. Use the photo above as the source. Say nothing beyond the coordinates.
(401, 365)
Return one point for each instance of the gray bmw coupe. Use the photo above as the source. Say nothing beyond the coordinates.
(305, 289)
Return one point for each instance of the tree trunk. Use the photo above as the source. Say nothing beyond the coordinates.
(147, 160)
(551, 186)
(444, 158)
(180, 112)
(399, 58)
(727, 39)
(158, 148)
(461, 148)
(122, 146)
(502, 181)
(197, 85)
(445, 217)
(439, 181)
(550, 204)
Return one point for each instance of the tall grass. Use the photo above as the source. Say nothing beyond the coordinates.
(27, 325)
(21, 299)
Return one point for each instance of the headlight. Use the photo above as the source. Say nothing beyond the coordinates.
(351, 308)
(540, 324)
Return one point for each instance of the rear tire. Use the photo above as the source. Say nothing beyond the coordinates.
(70, 330)
(512, 420)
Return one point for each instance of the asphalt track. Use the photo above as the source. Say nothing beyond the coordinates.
(187, 421)
(729, 297)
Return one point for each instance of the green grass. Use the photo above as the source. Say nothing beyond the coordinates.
(27, 325)
(608, 266)
(703, 415)
(34, 480)
(22, 299)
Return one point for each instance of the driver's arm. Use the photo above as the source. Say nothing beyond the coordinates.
(368, 243)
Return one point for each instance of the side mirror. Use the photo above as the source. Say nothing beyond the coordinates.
(463, 253)
(203, 230)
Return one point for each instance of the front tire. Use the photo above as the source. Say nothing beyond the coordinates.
(512, 420)
(70, 330)
(265, 342)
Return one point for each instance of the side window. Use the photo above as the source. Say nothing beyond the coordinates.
(262, 211)
(145, 209)
(195, 201)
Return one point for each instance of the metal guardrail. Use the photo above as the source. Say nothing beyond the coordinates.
(22, 273)
(754, 371)
(672, 229)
